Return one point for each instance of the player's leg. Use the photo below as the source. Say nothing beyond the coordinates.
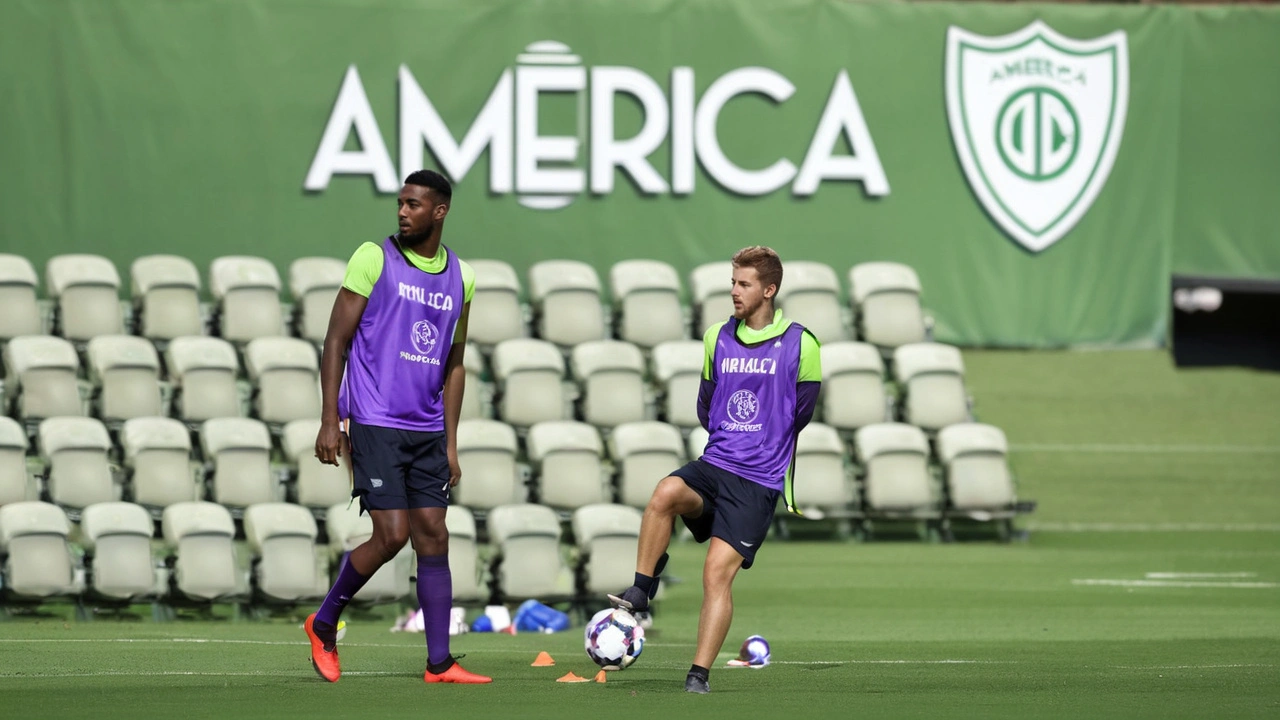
(721, 567)
(673, 497)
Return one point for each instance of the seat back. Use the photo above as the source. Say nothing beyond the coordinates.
(76, 450)
(118, 535)
(711, 285)
(19, 311)
(247, 290)
(567, 456)
(127, 371)
(318, 485)
(977, 470)
(166, 291)
(282, 536)
(496, 314)
(487, 455)
(86, 288)
(677, 366)
(611, 373)
(886, 297)
(39, 565)
(853, 393)
(645, 453)
(697, 442)
(820, 479)
(607, 536)
(647, 295)
(464, 555)
(530, 374)
(240, 450)
(314, 283)
(932, 375)
(472, 392)
(200, 534)
(284, 373)
(566, 297)
(157, 451)
(14, 484)
(203, 370)
(810, 295)
(895, 459)
(42, 369)
(527, 537)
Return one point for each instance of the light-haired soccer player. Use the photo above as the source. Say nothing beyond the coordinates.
(760, 381)
(400, 325)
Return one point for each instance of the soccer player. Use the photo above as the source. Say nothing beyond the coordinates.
(760, 381)
(400, 325)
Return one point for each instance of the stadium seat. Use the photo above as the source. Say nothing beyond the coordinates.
(347, 530)
(697, 442)
(607, 536)
(487, 455)
(75, 452)
(821, 481)
(646, 300)
(895, 462)
(314, 282)
(41, 377)
(931, 381)
(464, 556)
(886, 299)
(677, 366)
(125, 372)
(239, 451)
(566, 301)
(317, 485)
(247, 292)
(712, 287)
(810, 295)
(203, 372)
(475, 394)
(37, 558)
(117, 542)
(645, 453)
(853, 393)
(282, 538)
(526, 544)
(15, 483)
(530, 376)
(566, 457)
(86, 288)
(496, 313)
(166, 297)
(19, 310)
(611, 373)
(200, 537)
(284, 374)
(157, 454)
(976, 470)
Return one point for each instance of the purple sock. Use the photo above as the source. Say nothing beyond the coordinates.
(435, 596)
(348, 584)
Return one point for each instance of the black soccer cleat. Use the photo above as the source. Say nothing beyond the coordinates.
(633, 600)
(695, 684)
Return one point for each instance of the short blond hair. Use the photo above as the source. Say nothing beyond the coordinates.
(766, 262)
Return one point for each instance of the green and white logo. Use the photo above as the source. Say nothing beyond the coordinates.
(1036, 118)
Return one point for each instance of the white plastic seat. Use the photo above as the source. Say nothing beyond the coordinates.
(75, 449)
(14, 483)
(318, 485)
(566, 456)
(166, 296)
(247, 291)
(203, 372)
(886, 299)
(487, 456)
(611, 373)
(38, 563)
(19, 310)
(646, 297)
(282, 537)
(314, 283)
(86, 288)
(895, 460)
(157, 453)
(530, 375)
(566, 298)
(677, 366)
(464, 555)
(810, 295)
(853, 393)
(284, 373)
(117, 541)
(126, 372)
(41, 373)
(348, 529)
(820, 479)
(712, 287)
(974, 458)
(496, 313)
(239, 450)
(607, 537)
(645, 453)
(526, 541)
(931, 376)
(473, 393)
(200, 536)
(697, 442)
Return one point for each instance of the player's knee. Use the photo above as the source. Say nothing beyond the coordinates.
(389, 542)
(671, 497)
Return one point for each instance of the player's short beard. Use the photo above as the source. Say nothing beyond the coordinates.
(416, 238)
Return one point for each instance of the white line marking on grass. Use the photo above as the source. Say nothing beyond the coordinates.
(1192, 575)
(1152, 527)
(1191, 667)
(1152, 449)
(1176, 583)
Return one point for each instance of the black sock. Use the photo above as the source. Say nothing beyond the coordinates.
(644, 582)
(437, 669)
(700, 672)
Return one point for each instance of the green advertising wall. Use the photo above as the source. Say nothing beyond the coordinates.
(1044, 179)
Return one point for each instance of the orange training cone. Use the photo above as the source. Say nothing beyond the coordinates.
(600, 676)
(543, 660)
(571, 677)
(510, 629)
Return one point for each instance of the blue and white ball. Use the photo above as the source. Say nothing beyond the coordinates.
(755, 651)
(614, 639)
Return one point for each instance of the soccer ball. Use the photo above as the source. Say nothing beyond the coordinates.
(614, 639)
(754, 652)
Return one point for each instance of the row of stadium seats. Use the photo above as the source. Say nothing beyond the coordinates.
(567, 303)
(276, 560)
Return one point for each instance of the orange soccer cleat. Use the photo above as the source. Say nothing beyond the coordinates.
(324, 661)
(455, 674)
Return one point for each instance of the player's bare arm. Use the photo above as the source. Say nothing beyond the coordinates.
(348, 308)
(455, 378)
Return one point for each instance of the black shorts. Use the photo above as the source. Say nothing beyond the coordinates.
(734, 509)
(398, 469)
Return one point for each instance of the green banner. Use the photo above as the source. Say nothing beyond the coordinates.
(1043, 167)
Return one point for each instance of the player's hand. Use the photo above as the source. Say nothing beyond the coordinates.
(455, 470)
(330, 443)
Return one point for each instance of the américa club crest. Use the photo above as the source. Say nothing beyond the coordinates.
(1036, 118)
